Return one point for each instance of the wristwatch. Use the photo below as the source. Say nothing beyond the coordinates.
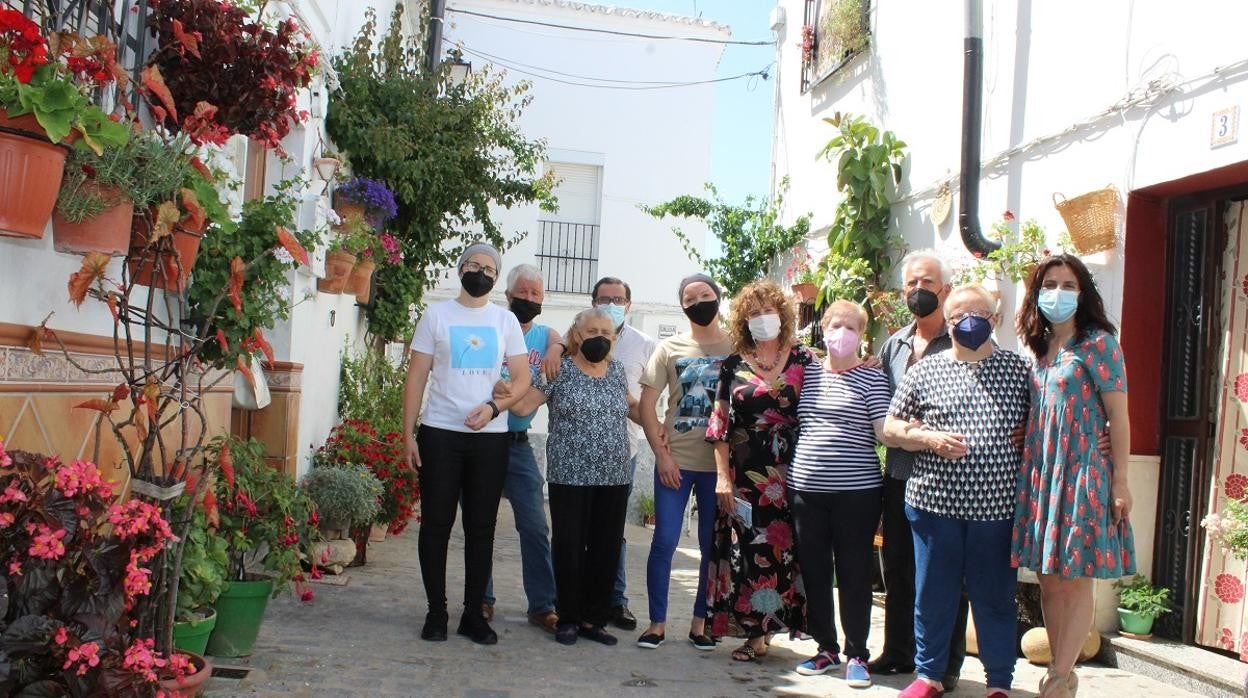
(493, 407)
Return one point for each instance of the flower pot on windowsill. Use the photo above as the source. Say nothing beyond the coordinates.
(338, 265)
(805, 292)
(108, 232)
(30, 176)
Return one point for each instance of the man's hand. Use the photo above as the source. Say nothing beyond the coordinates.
(550, 364)
(946, 445)
(480, 416)
(872, 361)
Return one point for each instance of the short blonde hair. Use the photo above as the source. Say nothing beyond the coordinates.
(759, 294)
(573, 338)
(850, 307)
(975, 289)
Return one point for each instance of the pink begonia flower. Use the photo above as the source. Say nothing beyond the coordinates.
(86, 655)
(47, 544)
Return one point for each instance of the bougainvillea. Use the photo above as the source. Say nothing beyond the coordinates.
(356, 441)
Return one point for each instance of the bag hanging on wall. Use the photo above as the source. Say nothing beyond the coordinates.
(249, 395)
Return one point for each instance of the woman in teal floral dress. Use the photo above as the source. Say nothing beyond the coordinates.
(754, 584)
(1071, 521)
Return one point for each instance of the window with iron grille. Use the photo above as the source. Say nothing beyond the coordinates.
(570, 237)
(833, 33)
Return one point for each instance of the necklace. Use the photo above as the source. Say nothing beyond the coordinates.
(764, 366)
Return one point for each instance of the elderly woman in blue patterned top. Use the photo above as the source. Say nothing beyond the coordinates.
(957, 410)
(588, 471)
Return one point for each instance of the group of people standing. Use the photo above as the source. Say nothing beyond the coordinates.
(993, 462)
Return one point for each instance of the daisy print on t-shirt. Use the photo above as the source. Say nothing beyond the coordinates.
(474, 348)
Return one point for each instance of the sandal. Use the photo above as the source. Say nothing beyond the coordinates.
(747, 653)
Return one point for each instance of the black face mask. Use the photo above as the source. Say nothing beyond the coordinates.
(922, 302)
(595, 349)
(476, 283)
(703, 313)
(525, 310)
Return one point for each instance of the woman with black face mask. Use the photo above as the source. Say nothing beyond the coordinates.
(461, 450)
(588, 471)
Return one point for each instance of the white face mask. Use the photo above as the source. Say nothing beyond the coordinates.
(765, 328)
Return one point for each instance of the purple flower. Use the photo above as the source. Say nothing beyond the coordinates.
(376, 198)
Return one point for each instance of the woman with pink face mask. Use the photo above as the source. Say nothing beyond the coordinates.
(835, 489)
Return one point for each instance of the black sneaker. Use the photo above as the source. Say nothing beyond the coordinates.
(889, 667)
(435, 627)
(650, 641)
(624, 618)
(702, 642)
(598, 634)
(474, 627)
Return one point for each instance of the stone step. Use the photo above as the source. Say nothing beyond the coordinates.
(1188, 667)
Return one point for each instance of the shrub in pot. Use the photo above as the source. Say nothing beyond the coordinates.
(346, 495)
(1139, 604)
(368, 197)
(356, 441)
(202, 579)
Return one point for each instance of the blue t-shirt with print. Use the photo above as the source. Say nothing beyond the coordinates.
(535, 341)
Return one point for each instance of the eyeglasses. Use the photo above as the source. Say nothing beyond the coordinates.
(981, 314)
(610, 300)
(484, 268)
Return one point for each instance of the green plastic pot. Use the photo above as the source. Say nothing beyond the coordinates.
(1135, 623)
(192, 635)
(240, 610)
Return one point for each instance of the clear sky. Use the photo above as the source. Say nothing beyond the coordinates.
(741, 132)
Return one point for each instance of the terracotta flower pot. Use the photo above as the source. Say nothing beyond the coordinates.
(142, 264)
(360, 280)
(30, 173)
(109, 232)
(338, 265)
(346, 209)
(192, 684)
(805, 292)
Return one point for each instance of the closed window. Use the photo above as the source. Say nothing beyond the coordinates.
(568, 253)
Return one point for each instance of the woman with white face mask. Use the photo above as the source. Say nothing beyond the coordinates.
(836, 490)
(753, 428)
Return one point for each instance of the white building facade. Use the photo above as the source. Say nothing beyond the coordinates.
(1076, 97)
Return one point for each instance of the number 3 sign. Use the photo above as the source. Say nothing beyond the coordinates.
(1225, 127)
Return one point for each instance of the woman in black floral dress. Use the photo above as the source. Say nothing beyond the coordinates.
(754, 584)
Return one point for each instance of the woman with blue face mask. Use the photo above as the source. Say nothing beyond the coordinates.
(1072, 514)
(956, 410)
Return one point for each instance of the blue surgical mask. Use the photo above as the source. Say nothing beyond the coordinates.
(972, 331)
(1058, 304)
(616, 312)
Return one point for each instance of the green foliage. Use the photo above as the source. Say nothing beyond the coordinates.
(845, 30)
(371, 390)
(60, 106)
(645, 504)
(145, 170)
(254, 240)
(1143, 598)
(345, 494)
(841, 278)
(750, 234)
(449, 152)
(204, 564)
(1016, 256)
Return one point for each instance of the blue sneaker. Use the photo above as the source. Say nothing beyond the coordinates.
(818, 664)
(856, 674)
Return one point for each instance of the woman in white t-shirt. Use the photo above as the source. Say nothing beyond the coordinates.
(458, 352)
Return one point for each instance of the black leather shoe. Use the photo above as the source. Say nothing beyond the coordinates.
(474, 627)
(624, 618)
(435, 627)
(888, 667)
(950, 683)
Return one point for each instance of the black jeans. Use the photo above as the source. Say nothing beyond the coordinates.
(899, 576)
(454, 466)
(587, 524)
(837, 528)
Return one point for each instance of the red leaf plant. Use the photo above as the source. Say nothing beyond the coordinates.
(356, 441)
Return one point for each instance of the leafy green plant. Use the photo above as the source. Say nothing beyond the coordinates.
(145, 171)
(751, 234)
(645, 505)
(841, 278)
(845, 30)
(371, 390)
(357, 441)
(453, 154)
(345, 494)
(1139, 596)
(889, 308)
(1016, 256)
(1229, 527)
(205, 560)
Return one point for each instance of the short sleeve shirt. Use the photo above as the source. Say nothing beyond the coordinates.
(836, 437)
(469, 347)
(588, 444)
(984, 401)
(535, 341)
(689, 371)
(633, 349)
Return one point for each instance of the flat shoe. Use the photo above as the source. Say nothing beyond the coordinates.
(566, 634)
(598, 634)
(475, 628)
(888, 667)
(747, 653)
(702, 642)
(434, 629)
(650, 641)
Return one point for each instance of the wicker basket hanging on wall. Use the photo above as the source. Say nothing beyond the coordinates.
(1091, 218)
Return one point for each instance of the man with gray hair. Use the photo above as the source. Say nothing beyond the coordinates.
(523, 484)
(926, 285)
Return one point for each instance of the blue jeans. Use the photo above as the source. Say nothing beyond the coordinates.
(523, 488)
(947, 553)
(669, 514)
(620, 580)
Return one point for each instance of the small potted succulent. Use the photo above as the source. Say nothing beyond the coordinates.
(1139, 604)
(367, 197)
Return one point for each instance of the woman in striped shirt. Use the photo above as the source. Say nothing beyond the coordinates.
(835, 487)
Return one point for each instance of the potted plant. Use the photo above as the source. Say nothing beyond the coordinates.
(44, 107)
(357, 441)
(367, 197)
(201, 580)
(889, 309)
(267, 523)
(346, 495)
(801, 274)
(645, 504)
(1139, 604)
(351, 238)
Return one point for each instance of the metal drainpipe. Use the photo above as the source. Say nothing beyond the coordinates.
(972, 111)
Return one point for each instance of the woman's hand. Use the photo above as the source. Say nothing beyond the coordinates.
(726, 495)
(946, 445)
(1120, 501)
(411, 452)
(669, 474)
(479, 417)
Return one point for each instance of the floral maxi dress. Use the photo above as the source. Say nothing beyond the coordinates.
(1064, 517)
(755, 584)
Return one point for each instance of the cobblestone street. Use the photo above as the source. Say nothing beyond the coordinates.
(361, 639)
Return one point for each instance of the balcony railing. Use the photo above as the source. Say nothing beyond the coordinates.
(568, 256)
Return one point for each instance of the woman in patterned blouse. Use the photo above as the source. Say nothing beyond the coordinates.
(587, 468)
(956, 410)
(1073, 503)
(753, 428)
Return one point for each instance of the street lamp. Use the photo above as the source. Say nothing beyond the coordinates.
(460, 69)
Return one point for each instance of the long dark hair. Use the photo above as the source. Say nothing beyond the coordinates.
(1035, 329)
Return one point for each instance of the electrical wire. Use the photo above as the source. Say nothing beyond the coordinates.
(512, 61)
(728, 42)
(763, 73)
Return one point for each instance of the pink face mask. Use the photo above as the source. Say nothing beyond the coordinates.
(842, 342)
